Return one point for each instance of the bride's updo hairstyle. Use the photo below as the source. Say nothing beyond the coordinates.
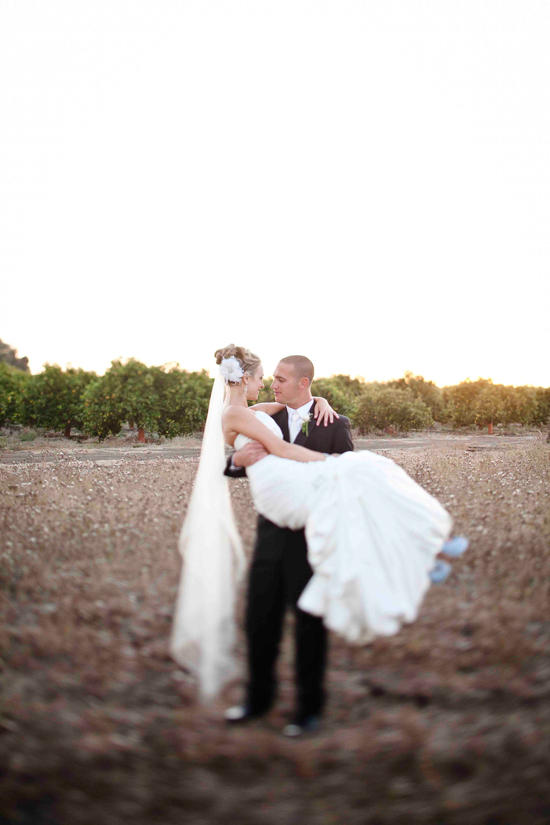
(248, 360)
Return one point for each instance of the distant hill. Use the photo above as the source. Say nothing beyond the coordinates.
(9, 356)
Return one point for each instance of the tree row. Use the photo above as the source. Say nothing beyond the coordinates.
(170, 401)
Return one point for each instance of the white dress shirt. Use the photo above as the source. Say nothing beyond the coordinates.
(293, 430)
(294, 427)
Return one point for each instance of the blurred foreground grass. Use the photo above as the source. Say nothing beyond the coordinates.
(448, 722)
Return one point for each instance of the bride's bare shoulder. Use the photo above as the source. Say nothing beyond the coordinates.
(236, 413)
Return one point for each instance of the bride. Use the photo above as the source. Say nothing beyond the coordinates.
(372, 532)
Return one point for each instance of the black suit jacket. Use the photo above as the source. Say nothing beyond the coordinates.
(334, 438)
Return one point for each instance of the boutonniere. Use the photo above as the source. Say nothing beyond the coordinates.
(305, 422)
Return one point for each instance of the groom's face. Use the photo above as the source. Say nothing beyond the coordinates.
(286, 386)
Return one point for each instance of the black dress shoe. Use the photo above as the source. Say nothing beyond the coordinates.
(241, 713)
(301, 725)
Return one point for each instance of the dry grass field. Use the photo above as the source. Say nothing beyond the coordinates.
(447, 723)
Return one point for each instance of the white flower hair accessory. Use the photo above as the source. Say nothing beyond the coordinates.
(231, 370)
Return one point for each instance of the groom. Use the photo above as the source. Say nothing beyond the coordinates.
(280, 569)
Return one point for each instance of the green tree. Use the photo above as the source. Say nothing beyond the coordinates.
(183, 399)
(351, 387)
(102, 414)
(541, 413)
(461, 400)
(136, 396)
(519, 404)
(489, 406)
(53, 398)
(425, 391)
(13, 382)
(382, 407)
(344, 402)
(125, 393)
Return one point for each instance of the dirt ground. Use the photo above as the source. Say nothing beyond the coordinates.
(448, 722)
(125, 446)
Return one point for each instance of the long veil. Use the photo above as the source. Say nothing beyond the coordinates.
(203, 633)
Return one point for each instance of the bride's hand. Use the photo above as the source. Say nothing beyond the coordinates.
(323, 412)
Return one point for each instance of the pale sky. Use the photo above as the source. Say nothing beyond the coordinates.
(366, 183)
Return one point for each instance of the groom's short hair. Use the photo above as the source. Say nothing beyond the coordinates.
(303, 367)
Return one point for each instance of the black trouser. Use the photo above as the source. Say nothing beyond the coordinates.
(279, 572)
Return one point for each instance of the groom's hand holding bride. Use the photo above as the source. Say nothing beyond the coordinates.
(249, 454)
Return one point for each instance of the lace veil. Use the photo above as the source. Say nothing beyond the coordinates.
(203, 633)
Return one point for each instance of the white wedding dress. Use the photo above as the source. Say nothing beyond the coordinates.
(372, 535)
